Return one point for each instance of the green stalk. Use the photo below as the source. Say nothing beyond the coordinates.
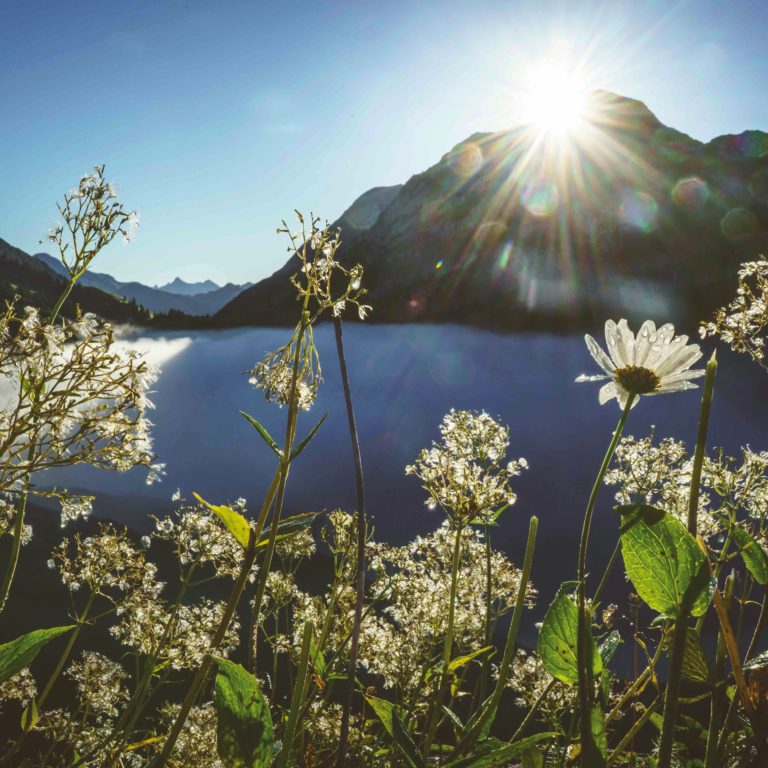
(510, 647)
(202, 673)
(361, 535)
(634, 730)
(447, 643)
(282, 473)
(296, 699)
(586, 693)
(719, 701)
(681, 620)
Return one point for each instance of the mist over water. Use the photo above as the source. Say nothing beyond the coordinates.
(404, 378)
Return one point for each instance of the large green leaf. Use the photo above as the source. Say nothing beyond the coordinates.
(557, 640)
(753, 555)
(500, 755)
(663, 561)
(244, 734)
(404, 742)
(696, 666)
(383, 710)
(460, 661)
(21, 652)
(235, 523)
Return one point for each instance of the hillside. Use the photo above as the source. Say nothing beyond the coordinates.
(514, 230)
(207, 302)
(38, 285)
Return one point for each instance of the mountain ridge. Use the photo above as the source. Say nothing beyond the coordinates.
(513, 231)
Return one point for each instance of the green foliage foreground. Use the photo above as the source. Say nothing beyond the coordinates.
(402, 656)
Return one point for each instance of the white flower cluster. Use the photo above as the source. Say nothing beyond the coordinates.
(465, 474)
(92, 217)
(742, 324)
(144, 618)
(77, 400)
(105, 562)
(196, 745)
(21, 687)
(198, 537)
(8, 518)
(399, 639)
(100, 683)
(274, 375)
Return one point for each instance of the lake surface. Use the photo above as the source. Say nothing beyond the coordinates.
(404, 379)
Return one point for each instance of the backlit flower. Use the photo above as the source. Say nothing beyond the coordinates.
(652, 363)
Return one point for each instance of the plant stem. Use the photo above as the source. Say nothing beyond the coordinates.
(361, 534)
(586, 693)
(18, 529)
(447, 643)
(296, 699)
(681, 620)
(509, 648)
(282, 479)
(634, 730)
(701, 440)
(202, 672)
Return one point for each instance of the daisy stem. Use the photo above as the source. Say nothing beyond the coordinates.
(681, 620)
(586, 695)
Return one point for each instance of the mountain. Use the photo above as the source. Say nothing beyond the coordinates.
(155, 299)
(36, 284)
(518, 229)
(183, 288)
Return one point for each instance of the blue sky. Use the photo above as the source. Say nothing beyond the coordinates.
(217, 119)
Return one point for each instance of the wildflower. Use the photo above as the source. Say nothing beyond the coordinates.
(652, 363)
(741, 325)
(465, 474)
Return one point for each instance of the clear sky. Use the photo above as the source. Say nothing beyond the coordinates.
(217, 119)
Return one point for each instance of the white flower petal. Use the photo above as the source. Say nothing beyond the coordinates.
(586, 377)
(646, 338)
(673, 378)
(679, 360)
(607, 392)
(598, 355)
(626, 343)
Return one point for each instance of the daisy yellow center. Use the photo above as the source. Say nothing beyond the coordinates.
(636, 379)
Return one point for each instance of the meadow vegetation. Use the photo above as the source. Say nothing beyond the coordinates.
(241, 656)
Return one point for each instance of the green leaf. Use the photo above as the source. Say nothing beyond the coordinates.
(608, 646)
(663, 561)
(308, 439)
(264, 434)
(21, 652)
(244, 734)
(557, 640)
(29, 716)
(287, 527)
(696, 666)
(383, 710)
(502, 755)
(599, 744)
(462, 660)
(532, 758)
(404, 742)
(753, 555)
(234, 522)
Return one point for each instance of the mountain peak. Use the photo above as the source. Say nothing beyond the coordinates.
(183, 288)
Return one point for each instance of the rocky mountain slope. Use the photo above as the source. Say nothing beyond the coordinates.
(183, 288)
(156, 299)
(519, 230)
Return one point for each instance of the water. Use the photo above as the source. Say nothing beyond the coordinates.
(404, 379)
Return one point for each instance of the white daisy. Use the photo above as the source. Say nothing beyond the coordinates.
(652, 363)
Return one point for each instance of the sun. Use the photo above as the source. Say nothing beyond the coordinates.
(553, 98)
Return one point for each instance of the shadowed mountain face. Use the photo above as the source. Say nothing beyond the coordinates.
(36, 284)
(521, 229)
(155, 299)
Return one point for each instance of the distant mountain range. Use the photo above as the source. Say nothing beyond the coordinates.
(205, 298)
(512, 230)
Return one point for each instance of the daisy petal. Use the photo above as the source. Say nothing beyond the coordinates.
(607, 392)
(598, 355)
(680, 359)
(586, 377)
(646, 338)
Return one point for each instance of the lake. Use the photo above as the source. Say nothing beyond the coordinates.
(404, 378)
